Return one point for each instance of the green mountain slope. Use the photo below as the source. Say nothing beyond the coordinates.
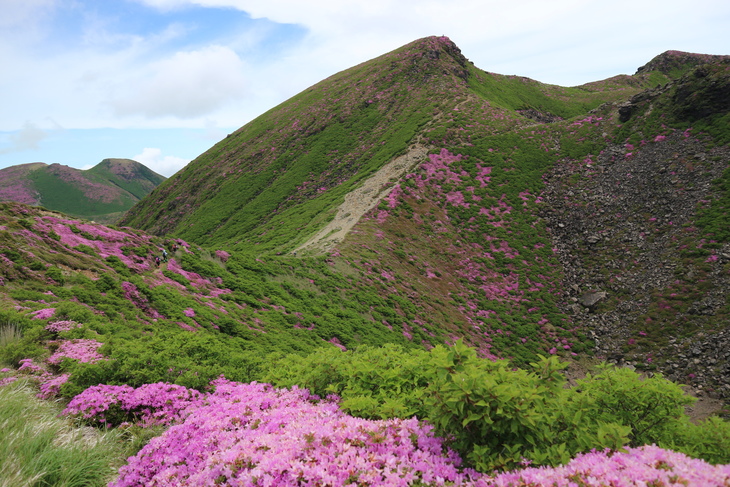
(424, 178)
(291, 166)
(101, 193)
(413, 200)
(419, 200)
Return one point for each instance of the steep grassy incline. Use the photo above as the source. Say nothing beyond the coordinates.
(281, 173)
(278, 179)
(101, 193)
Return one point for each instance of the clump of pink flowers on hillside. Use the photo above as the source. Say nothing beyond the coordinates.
(81, 350)
(256, 435)
(46, 372)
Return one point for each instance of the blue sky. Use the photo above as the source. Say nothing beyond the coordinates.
(161, 81)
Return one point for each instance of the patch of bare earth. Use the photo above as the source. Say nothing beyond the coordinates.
(363, 199)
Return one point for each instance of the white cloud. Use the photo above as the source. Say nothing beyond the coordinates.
(180, 70)
(27, 138)
(17, 13)
(164, 165)
(186, 85)
(564, 41)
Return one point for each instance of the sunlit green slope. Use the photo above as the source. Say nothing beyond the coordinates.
(279, 178)
(101, 193)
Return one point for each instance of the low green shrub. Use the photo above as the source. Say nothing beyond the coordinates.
(499, 417)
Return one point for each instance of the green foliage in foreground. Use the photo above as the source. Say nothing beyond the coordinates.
(39, 449)
(497, 416)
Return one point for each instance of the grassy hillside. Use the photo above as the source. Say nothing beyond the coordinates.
(283, 173)
(513, 221)
(101, 193)
(465, 243)
(138, 347)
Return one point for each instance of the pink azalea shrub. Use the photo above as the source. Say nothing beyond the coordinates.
(253, 434)
(48, 383)
(60, 326)
(159, 403)
(43, 314)
(644, 466)
(82, 350)
(51, 386)
(28, 366)
(256, 435)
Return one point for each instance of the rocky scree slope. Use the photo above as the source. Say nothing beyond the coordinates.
(641, 231)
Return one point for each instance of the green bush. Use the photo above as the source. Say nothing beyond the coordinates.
(709, 440)
(56, 274)
(497, 416)
(373, 382)
(652, 407)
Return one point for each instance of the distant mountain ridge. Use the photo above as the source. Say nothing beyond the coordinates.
(101, 193)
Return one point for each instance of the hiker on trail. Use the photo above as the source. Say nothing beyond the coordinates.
(157, 260)
(174, 247)
(164, 255)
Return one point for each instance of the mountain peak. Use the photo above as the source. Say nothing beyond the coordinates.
(676, 63)
(100, 193)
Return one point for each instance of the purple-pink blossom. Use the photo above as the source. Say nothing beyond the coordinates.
(82, 350)
(42, 314)
(59, 326)
(253, 434)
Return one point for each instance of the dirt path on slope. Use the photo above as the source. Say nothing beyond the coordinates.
(362, 200)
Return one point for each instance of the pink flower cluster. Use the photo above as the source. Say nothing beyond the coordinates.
(48, 383)
(196, 280)
(253, 434)
(150, 404)
(139, 300)
(51, 387)
(647, 465)
(222, 255)
(82, 350)
(43, 314)
(106, 241)
(59, 326)
(30, 367)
